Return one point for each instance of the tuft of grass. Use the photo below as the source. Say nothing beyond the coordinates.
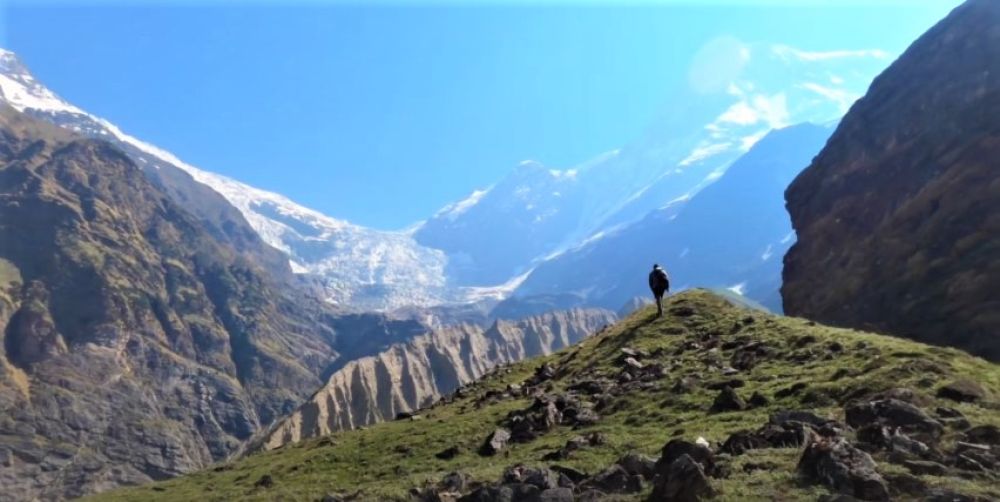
(385, 461)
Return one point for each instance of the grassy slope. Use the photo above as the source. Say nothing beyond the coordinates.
(385, 460)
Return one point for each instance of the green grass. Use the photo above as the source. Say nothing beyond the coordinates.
(386, 460)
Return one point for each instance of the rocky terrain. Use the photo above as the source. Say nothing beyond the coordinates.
(412, 375)
(898, 217)
(138, 344)
(731, 234)
(711, 400)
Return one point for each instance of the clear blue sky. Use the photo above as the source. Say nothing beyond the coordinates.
(381, 115)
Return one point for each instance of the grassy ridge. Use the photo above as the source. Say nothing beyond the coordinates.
(385, 461)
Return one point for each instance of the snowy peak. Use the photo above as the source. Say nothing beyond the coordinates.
(358, 267)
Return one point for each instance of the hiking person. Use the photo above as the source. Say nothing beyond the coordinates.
(659, 282)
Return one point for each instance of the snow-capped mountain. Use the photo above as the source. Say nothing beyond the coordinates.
(737, 94)
(485, 246)
(732, 235)
(358, 267)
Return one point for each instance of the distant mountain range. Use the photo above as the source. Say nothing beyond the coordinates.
(733, 233)
(479, 250)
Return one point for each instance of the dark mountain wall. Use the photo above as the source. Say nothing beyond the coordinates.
(898, 219)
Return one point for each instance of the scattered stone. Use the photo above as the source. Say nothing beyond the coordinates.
(984, 434)
(963, 391)
(790, 391)
(925, 468)
(675, 448)
(742, 441)
(616, 479)
(631, 362)
(542, 479)
(495, 442)
(684, 385)
(727, 400)
(903, 394)
(265, 481)
(803, 341)
(894, 413)
(758, 400)
(836, 464)
(455, 482)
(448, 453)
(638, 465)
(572, 474)
(590, 387)
(683, 480)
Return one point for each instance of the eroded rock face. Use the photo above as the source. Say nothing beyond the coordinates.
(137, 342)
(408, 376)
(897, 218)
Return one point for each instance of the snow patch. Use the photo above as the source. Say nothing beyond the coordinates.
(454, 210)
(738, 288)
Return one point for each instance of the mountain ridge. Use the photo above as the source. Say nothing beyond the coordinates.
(572, 426)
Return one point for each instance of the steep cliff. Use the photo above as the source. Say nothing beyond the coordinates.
(411, 375)
(898, 217)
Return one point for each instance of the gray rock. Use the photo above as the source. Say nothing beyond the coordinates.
(495, 442)
(841, 467)
(683, 480)
(963, 391)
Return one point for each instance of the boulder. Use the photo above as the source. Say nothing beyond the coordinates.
(727, 400)
(740, 442)
(541, 478)
(572, 474)
(682, 480)
(894, 413)
(678, 447)
(455, 482)
(684, 385)
(925, 468)
(638, 465)
(838, 465)
(448, 453)
(495, 442)
(984, 434)
(616, 479)
(758, 400)
(963, 391)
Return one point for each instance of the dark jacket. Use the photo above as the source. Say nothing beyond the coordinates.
(659, 282)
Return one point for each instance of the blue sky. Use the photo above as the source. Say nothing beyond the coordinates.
(383, 114)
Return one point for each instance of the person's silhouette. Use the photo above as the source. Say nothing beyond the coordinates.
(659, 283)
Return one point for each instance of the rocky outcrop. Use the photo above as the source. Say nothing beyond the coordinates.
(897, 218)
(408, 376)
